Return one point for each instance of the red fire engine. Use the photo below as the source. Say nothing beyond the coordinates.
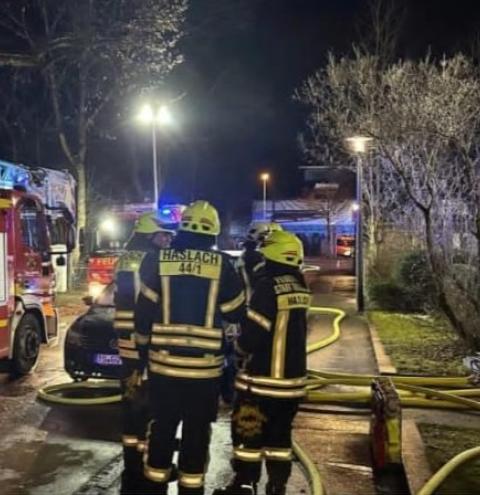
(113, 230)
(37, 210)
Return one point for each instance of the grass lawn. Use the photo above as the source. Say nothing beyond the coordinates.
(443, 443)
(419, 344)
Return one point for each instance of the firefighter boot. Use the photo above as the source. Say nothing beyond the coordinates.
(237, 488)
(275, 489)
(132, 474)
(142, 486)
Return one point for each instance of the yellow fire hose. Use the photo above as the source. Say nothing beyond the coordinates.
(413, 392)
(439, 477)
(310, 469)
(49, 394)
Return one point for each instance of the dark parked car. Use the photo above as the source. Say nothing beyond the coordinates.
(91, 349)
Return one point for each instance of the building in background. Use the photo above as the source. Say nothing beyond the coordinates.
(324, 214)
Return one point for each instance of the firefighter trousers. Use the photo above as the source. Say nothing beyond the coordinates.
(173, 401)
(134, 425)
(261, 430)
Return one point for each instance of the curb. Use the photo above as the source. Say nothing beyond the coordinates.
(414, 457)
(384, 363)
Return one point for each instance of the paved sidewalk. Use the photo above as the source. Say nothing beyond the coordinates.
(339, 442)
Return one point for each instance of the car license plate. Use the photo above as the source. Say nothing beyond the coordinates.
(108, 359)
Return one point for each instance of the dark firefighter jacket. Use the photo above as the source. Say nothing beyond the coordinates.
(126, 292)
(184, 295)
(250, 266)
(274, 335)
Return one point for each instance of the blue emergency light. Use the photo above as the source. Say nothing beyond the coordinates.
(12, 176)
(171, 213)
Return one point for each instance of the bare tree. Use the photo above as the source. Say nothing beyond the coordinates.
(24, 122)
(423, 119)
(89, 54)
(381, 30)
(335, 97)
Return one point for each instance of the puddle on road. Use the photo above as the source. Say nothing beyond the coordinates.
(19, 477)
(85, 423)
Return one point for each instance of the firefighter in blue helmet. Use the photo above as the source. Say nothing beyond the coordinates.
(148, 235)
(273, 381)
(186, 292)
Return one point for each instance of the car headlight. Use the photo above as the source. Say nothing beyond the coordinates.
(95, 289)
(348, 252)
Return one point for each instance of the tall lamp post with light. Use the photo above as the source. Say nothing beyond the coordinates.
(264, 178)
(155, 117)
(359, 145)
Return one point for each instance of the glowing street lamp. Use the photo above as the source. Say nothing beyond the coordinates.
(359, 145)
(155, 117)
(264, 178)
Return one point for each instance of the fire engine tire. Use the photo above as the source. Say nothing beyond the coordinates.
(26, 345)
(53, 393)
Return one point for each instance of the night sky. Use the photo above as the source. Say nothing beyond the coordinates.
(243, 61)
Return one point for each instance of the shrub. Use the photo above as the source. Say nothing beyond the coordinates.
(415, 277)
(388, 296)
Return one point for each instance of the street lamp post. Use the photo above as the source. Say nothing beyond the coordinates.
(155, 166)
(154, 118)
(265, 177)
(359, 145)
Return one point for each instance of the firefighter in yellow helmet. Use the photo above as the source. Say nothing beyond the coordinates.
(186, 292)
(249, 265)
(273, 380)
(148, 235)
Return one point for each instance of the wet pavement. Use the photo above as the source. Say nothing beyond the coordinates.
(338, 437)
(63, 450)
(53, 449)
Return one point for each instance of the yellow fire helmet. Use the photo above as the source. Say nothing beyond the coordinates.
(148, 223)
(200, 217)
(283, 247)
(259, 230)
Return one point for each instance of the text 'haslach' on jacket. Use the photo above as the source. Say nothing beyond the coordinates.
(184, 296)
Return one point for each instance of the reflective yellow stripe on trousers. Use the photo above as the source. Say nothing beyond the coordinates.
(247, 455)
(190, 480)
(129, 440)
(277, 454)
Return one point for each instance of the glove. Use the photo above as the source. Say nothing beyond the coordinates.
(132, 384)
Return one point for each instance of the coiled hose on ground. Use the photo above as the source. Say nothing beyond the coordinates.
(413, 392)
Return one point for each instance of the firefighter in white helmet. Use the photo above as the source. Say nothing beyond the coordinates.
(251, 260)
(274, 378)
